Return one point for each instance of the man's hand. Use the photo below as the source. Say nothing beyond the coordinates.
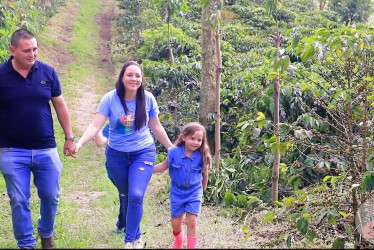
(70, 149)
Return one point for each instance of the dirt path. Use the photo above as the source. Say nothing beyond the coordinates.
(215, 230)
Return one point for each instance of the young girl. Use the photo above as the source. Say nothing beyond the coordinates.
(188, 164)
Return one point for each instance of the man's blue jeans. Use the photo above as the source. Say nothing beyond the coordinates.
(131, 173)
(16, 165)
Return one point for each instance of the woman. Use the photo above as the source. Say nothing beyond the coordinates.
(131, 152)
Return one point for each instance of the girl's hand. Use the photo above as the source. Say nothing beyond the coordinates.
(161, 166)
(77, 146)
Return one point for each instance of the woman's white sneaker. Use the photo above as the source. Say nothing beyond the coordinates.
(138, 244)
(129, 245)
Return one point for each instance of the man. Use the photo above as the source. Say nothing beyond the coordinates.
(27, 142)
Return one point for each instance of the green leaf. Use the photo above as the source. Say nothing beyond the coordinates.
(270, 6)
(242, 200)
(367, 182)
(247, 236)
(269, 217)
(252, 200)
(344, 214)
(302, 225)
(334, 180)
(307, 216)
(331, 219)
(290, 180)
(277, 64)
(338, 243)
(295, 41)
(312, 235)
(260, 116)
(284, 146)
(329, 23)
(272, 75)
(329, 59)
(327, 178)
(229, 198)
(204, 2)
(289, 201)
(272, 139)
(333, 212)
(285, 237)
(282, 167)
(348, 229)
(285, 62)
(319, 188)
(278, 203)
(288, 32)
(281, 237)
(308, 53)
(261, 124)
(273, 146)
(288, 241)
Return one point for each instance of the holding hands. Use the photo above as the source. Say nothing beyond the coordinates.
(70, 148)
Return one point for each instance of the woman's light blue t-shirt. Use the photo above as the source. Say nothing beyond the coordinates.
(122, 134)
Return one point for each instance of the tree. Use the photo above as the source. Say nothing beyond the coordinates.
(272, 7)
(275, 171)
(170, 9)
(341, 83)
(352, 11)
(130, 23)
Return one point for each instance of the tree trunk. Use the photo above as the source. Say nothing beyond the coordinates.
(137, 38)
(275, 171)
(217, 119)
(322, 4)
(171, 56)
(208, 81)
(276, 161)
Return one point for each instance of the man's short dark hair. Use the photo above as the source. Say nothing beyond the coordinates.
(20, 34)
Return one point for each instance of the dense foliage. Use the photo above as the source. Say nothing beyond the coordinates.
(325, 69)
(28, 14)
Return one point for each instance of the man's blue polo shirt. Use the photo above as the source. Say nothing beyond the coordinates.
(25, 112)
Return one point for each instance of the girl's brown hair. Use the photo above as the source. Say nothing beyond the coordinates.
(190, 129)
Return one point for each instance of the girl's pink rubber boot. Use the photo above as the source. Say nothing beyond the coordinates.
(178, 243)
(191, 242)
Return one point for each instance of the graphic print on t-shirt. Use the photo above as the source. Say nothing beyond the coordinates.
(125, 123)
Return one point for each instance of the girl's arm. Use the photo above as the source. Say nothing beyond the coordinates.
(100, 139)
(91, 130)
(161, 166)
(159, 132)
(205, 178)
